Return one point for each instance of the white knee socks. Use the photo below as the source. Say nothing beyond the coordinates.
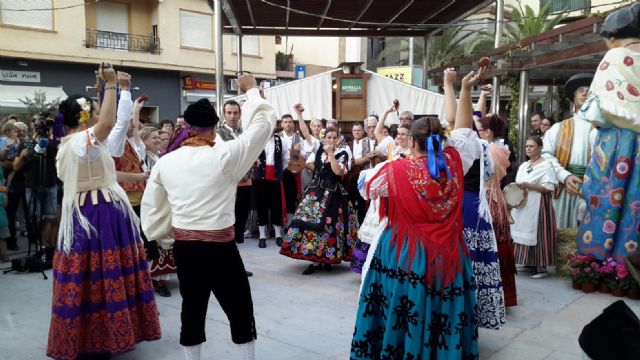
(248, 350)
(192, 352)
(263, 231)
(278, 230)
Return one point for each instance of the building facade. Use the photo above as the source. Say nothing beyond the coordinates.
(166, 45)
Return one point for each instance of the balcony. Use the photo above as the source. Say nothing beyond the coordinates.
(568, 5)
(122, 42)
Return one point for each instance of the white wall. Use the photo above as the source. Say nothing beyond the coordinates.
(324, 51)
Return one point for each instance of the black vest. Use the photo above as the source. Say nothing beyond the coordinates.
(259, 172)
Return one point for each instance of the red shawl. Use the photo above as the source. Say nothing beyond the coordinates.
(421, 209)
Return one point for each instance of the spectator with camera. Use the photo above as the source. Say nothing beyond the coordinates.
(37, 161)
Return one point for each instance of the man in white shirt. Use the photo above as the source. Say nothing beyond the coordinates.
(267, 178)
(191, 194)
(290, 140)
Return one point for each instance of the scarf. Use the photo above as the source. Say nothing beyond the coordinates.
(180, 136)
(428, 210)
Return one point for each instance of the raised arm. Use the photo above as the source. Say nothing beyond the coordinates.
(379, 131)
(464, 113)
(117, 136)
(107, 118)
(450, 105)
(306, 134)
(482, 101)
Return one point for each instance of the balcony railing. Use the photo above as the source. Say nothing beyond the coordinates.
(568, 5)
(122, 41)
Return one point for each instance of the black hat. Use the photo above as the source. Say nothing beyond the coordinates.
(613, 334)
(622, 23)
(201, 114)
(575, 82)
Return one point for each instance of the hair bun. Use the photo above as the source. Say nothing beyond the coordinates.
(622, 23)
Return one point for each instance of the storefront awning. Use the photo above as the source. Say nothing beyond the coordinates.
(10, 95)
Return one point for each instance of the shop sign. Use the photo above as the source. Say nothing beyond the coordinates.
(190, 84)
(19, 76)
(350, 86)
(400, 73)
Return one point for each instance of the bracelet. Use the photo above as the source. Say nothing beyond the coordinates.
(109, 88)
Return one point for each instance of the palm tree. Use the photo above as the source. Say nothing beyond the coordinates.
(524, 23)
(443, 49)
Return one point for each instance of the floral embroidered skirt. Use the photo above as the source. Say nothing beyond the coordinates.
(400, 317)
(481, 242)
(611, 223)
(103, 299)
(324, 228)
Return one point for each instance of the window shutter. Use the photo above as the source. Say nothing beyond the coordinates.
(196, 30)
(40, 16)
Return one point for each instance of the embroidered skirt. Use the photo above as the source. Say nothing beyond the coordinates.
(324, 228)
(400, 317)
(103, 299)
(544, 252)
(481, 241)
(164, 267)
(611, 223)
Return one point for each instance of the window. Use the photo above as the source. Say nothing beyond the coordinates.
(37, 19)
(250, 45)
(196, 30)
(567, 5)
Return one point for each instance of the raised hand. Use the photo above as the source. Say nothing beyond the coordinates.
(107, 73)
(472, 78)
(124, 80)
(299, 109)
(450, 76)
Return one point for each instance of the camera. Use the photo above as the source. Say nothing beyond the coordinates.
(42, 125)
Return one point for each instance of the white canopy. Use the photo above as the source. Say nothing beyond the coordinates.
(315, 94)
(10, 94)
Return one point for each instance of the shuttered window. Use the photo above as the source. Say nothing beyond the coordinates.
(250, 45)
(196, 30)
(36, 14)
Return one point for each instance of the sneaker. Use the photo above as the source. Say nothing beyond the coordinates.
(539, 274)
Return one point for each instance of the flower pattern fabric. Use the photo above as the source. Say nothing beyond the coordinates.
(611, 223)
(481, 242)
(401, 317)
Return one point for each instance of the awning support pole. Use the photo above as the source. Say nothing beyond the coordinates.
(217, 13)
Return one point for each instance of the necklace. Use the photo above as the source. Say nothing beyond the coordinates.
(632, 43)
(530, 166)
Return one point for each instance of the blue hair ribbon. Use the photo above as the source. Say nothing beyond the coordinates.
(435, 159)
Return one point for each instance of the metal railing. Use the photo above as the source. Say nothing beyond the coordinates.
(122, 41)
(567, 5)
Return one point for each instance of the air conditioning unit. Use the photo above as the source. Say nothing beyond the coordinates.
(232, 85)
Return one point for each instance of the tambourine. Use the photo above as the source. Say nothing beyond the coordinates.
(515, 196)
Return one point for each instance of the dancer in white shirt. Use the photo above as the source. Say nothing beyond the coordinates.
(200, 214)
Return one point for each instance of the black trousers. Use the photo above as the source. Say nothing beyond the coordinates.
(243, 206)
(269, 202)
(290, 190)
(205, 267)
(16, 196)
(358, 202)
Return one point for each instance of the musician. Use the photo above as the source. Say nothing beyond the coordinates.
(267, 177)
(567, 145)
(290, 140)
(230, 130)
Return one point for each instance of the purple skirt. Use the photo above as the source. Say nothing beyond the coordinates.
(103, 300)
(359, 256)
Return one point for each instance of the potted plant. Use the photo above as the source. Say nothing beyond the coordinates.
(608, 273)
(623, 280)
(582, 272)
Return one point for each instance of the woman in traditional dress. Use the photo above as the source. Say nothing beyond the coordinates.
(611, 224)
(164, 267)
(418, 297)
(534, 224)
(491, 128)
(324, 227)
(103, 300)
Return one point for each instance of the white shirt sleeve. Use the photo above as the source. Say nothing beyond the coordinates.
(465, 141)
(549, 152)
(118, 135)
(258, 121)
(311, 158)
(383, 147)
(307, 149)
(155, 210)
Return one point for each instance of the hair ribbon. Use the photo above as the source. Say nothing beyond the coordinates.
(435, 159)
